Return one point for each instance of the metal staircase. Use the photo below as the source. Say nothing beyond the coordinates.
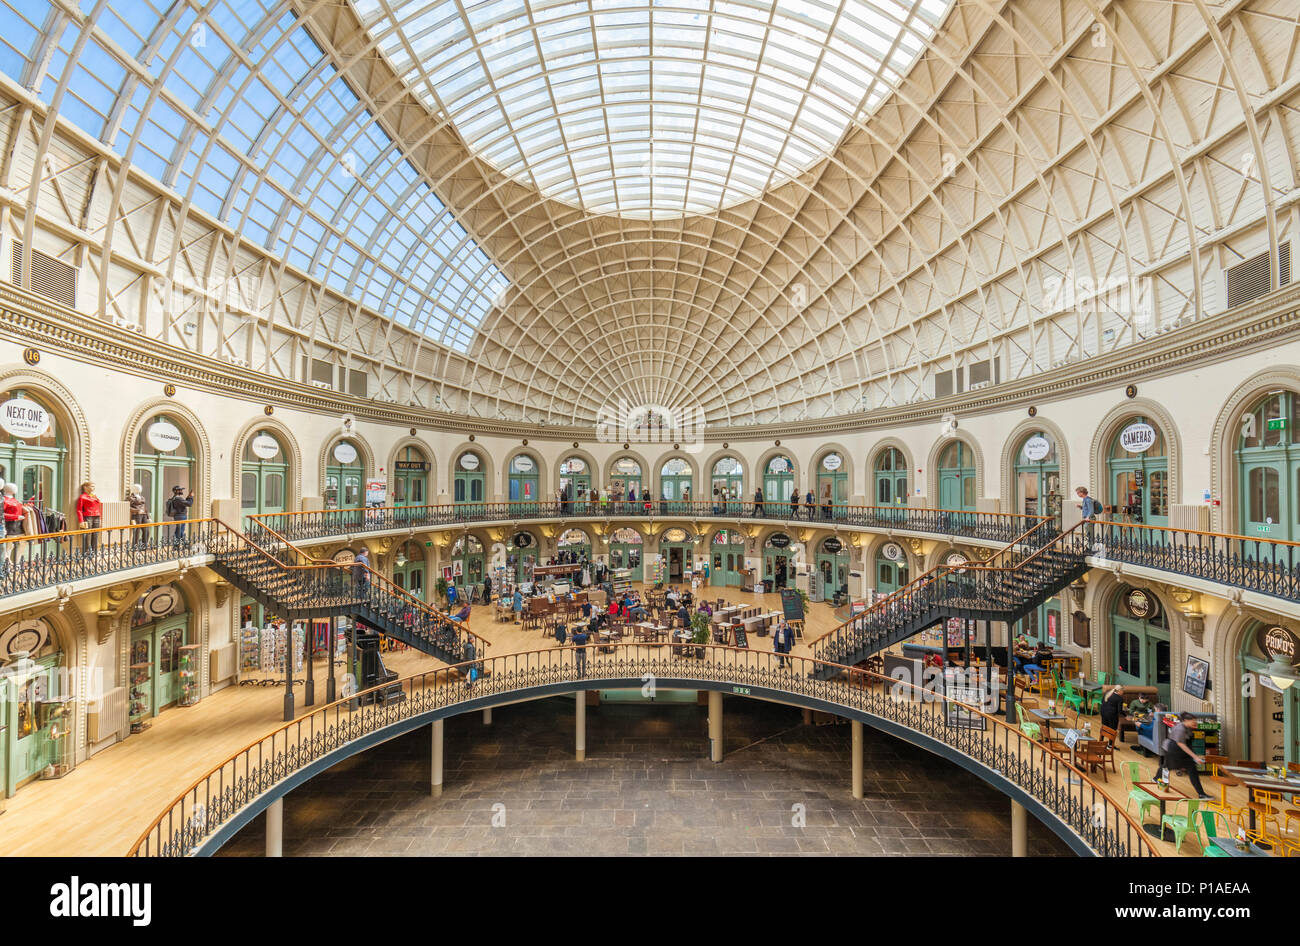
(292, 585)
(1017, 579)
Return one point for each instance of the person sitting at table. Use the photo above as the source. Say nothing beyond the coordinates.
(463, 614)
(613, 609)
(1022, 653)
(1139, 708)
(672, 596)
(684, 615)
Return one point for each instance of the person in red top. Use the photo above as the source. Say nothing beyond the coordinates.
(13, 510)
(89, 511)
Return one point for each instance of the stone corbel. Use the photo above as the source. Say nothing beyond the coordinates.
(113, 603)
(1195, 626)
(916, 545)
(221, 592)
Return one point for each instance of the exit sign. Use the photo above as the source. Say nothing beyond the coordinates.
(1277, 423)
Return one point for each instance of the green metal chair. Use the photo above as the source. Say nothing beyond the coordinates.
(1182, 825)
(1066, 694)
(1094, 698)
(1144, 798)
(1210, 826)
(1028, 727)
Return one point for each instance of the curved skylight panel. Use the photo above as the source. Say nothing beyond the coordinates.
(657, 108)
(253, 122)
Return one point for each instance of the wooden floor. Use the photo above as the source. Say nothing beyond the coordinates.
(101, 807)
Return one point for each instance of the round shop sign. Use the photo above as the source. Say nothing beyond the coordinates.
(344, 452)
(163, 436)
(573, 465)
(523, 540)
(779, 541)
(344, 557)
(956, 559)
(779, 465)
(1277, 641)
(892, 551)
(832, 462)
(1140, 604)
(264, 446)
(24, 418)
(23, 637)
(832, 545)
(1137, 438)
(469, 461)
(1037, 448)
(523, 464)
(161, 601)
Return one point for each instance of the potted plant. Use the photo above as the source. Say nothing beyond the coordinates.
(440, 586)
(701, 626)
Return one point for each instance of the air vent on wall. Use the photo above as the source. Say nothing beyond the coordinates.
(1251, 279)
(52, 278)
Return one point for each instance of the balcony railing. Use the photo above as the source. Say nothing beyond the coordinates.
(231, 792)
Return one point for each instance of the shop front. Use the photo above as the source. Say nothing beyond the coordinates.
(469, 483)
(523, 480)
(727, 559)
(625, 479)
(833, 563)
(676, 554)
(1140, 653)
(36, 706)
(675, 479)
(344, 476)
(33, 453)
(521, 555)
(778, 480)
(727, 486)
(409, 569)
(411, 478)
(575, 481)
(573, 547)
(163, 668)
(625, 551)
(1270, 702)
(467, 561)
(891, 572)
(164, 458)
(833, 485)
(1139, 474)
(778, 561)
(1268, 467)
(1038, 476)
(263, 474)
(891, 478)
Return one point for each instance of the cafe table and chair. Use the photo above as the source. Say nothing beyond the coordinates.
(1264, 789)
(1221, 804)
(1163, 794)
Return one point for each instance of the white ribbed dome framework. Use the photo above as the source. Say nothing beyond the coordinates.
(515, 209)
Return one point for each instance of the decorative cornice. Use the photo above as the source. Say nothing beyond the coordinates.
(34, 320)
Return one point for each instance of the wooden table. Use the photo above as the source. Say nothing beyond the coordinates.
(1162, 795)
(1259, 779)
(1046, 717)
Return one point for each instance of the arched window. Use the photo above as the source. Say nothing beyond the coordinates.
(410, 478)
(263, 475)
(957, 477)
(727, 485)
(727, 559)
(523, 479)
(833, 483)
(833, 564)
(675, 478)
(469, 482)
(1140, 641)
(676, 554)
(891, 571)
(1268, 466)
(625, 478)
(164, 459)
(1138, 470)
(891, 477)
(625, 547)
(409, 569)
(1038, 476)
(344, 476)
(575, 481)
(778, 480)
(33, 454)
(778, 561)
(467, 560)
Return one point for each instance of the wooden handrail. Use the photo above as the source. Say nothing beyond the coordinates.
(852, 672)
(71, 533)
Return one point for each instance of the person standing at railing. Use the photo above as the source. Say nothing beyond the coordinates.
(794, 504)
(1090, 509)
(826, 501)
(758, 502)
(139, 512)
(89, 513)
(178, 510)
(810, 503)
(361, 572)
(782, 642)
(471, 670)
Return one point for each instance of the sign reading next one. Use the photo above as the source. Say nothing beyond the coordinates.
(21, 417)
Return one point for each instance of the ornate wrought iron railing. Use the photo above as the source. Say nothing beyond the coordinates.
(231, 790)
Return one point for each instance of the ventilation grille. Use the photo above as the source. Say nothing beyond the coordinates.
(106, 716)
(52, 278)
(1250, 278)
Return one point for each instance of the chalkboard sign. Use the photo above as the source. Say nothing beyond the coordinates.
(742, 639)
(960, 716)
(791, 604)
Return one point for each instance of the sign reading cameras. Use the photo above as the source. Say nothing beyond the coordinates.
(625, 422)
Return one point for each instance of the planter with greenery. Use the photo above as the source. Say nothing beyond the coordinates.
(702, 629)
(440, 587)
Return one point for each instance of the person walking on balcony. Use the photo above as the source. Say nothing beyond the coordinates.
(782, 642)
(758, 502)
(178, 510)
(810, 503)
(361, 572)
(794, 504)
(1090, 509)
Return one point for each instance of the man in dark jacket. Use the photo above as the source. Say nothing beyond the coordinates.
(782, 642)
(580, 651)
(178, 510)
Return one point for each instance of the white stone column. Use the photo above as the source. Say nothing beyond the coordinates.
(856, 728)
(1019, 830)
(580, 724)
(436, 786)
(715, 725)
(275, 829)
(487, 716)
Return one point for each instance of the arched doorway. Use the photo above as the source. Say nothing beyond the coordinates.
(1140, 649)
(891, 477)
(467, 560)
(36, 703)
(411, 477)
(675, 478)
(1038, 476)
(833, 485)
(727, 559)
(727, 486)
(164, 459)
(625, 480)
(676, 555)
(778, 561)
(1139, 473)
(891, 570)
(833, 564)
(409, 569)
(263, 475)
(778, 480)
(344, 476)
(575, 481)
(1268, 467)
(625, 548)
(1270, 713)
(521, 555)
(163, 662)
(469, 481)
(33, 452)
(523, 479)
(573, 547)
(957, 477)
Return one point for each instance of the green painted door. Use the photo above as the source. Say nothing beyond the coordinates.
(1268, 464)
(27, 741)
(261, 488)
(159, 644)
(469, 487)
(410, 577)
(890, 575)
(727, 559)
(778, 567)
(1141, 655)
(627, 555)
(343, 487)
(778, 480)
(410, 488)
